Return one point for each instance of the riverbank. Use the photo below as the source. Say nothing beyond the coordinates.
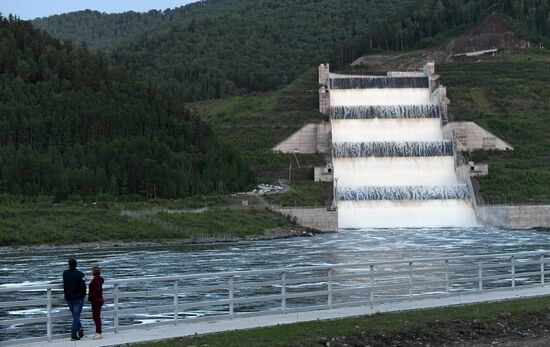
(270, 235)
(511, 323)
(75, 224)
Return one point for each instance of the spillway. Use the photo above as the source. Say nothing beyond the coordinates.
(392, 165)
(355, 130)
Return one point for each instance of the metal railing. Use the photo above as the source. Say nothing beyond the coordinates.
(152, 301)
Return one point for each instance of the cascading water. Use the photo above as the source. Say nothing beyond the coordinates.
(377, 111)
(382, 82)
(459, 191)
(392, 166)
(389, 171)
(379, 96)
(392, 149)
(357, 130)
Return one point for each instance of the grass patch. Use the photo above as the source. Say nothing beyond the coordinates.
(302, 193)
(509, 95)
(240, 223)
(262, 120)
(317, 332)
(478, 96)
(63, 225)
(257, 122)
(41, 222)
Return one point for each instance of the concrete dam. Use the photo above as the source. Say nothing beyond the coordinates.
(393, 166)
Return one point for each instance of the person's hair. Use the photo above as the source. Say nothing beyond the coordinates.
(72, 263)
(96, 270)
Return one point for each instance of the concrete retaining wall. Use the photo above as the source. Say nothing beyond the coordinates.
(315, 218)
(311, 138)
(469, 136)
(506, 216)
(515, 217)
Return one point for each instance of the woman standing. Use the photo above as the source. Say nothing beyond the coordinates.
(95, 297)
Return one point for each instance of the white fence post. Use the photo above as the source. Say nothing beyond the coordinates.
(115, 308)
(480, 276)
(372, 285)
(176, 302)
(330, 272)
(283, 291)
(542, 267)
(49, 314)
(231, 296)
(447, 276)
(513, 261)
(410, 280)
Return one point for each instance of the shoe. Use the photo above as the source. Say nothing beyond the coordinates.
(75, 338)
(96, 337)
(80, 333)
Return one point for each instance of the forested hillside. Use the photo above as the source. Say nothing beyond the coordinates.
(220, 48)
(228, 47)
(426, 23)
(71, 123)
(214, 49)
(108, 31)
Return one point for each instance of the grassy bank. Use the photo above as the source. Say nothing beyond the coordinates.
(516, 320)
(42, 222)
(509, 95)
(302, 193)
(239, 223)
(257, 122)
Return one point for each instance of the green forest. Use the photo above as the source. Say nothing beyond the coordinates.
(73, 123)
(106, 114)
(214, 49)
(427, 23)
(227, 47)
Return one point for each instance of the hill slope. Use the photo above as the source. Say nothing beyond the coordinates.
(72, 123)
(226, 47)
(508, 95)
(214, 49)
(109, 31)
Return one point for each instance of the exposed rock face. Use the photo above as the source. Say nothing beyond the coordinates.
(494, 32)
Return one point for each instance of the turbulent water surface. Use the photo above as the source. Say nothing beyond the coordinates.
(344, 247)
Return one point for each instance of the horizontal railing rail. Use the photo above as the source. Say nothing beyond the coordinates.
(39, 310)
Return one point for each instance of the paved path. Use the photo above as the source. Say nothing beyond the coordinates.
(181, 330)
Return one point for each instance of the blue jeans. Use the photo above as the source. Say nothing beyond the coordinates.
(75, 306)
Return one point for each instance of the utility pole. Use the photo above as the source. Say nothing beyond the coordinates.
(290, 172)
(295, 157)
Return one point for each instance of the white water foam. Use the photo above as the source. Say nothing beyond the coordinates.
(364, 130)
(372, 171)
(405, 214)
(367, 170)
(360, 97)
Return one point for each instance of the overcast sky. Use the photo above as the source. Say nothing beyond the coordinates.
(30, 9)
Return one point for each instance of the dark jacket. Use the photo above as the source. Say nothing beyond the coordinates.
(96, 289)
(74, 286)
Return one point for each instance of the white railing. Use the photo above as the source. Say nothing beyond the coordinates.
(151, 301)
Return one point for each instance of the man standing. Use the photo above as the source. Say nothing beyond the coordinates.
(74, 288)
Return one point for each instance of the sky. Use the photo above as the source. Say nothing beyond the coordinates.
(30, 9)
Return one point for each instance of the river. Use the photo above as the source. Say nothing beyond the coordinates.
(41, 267)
